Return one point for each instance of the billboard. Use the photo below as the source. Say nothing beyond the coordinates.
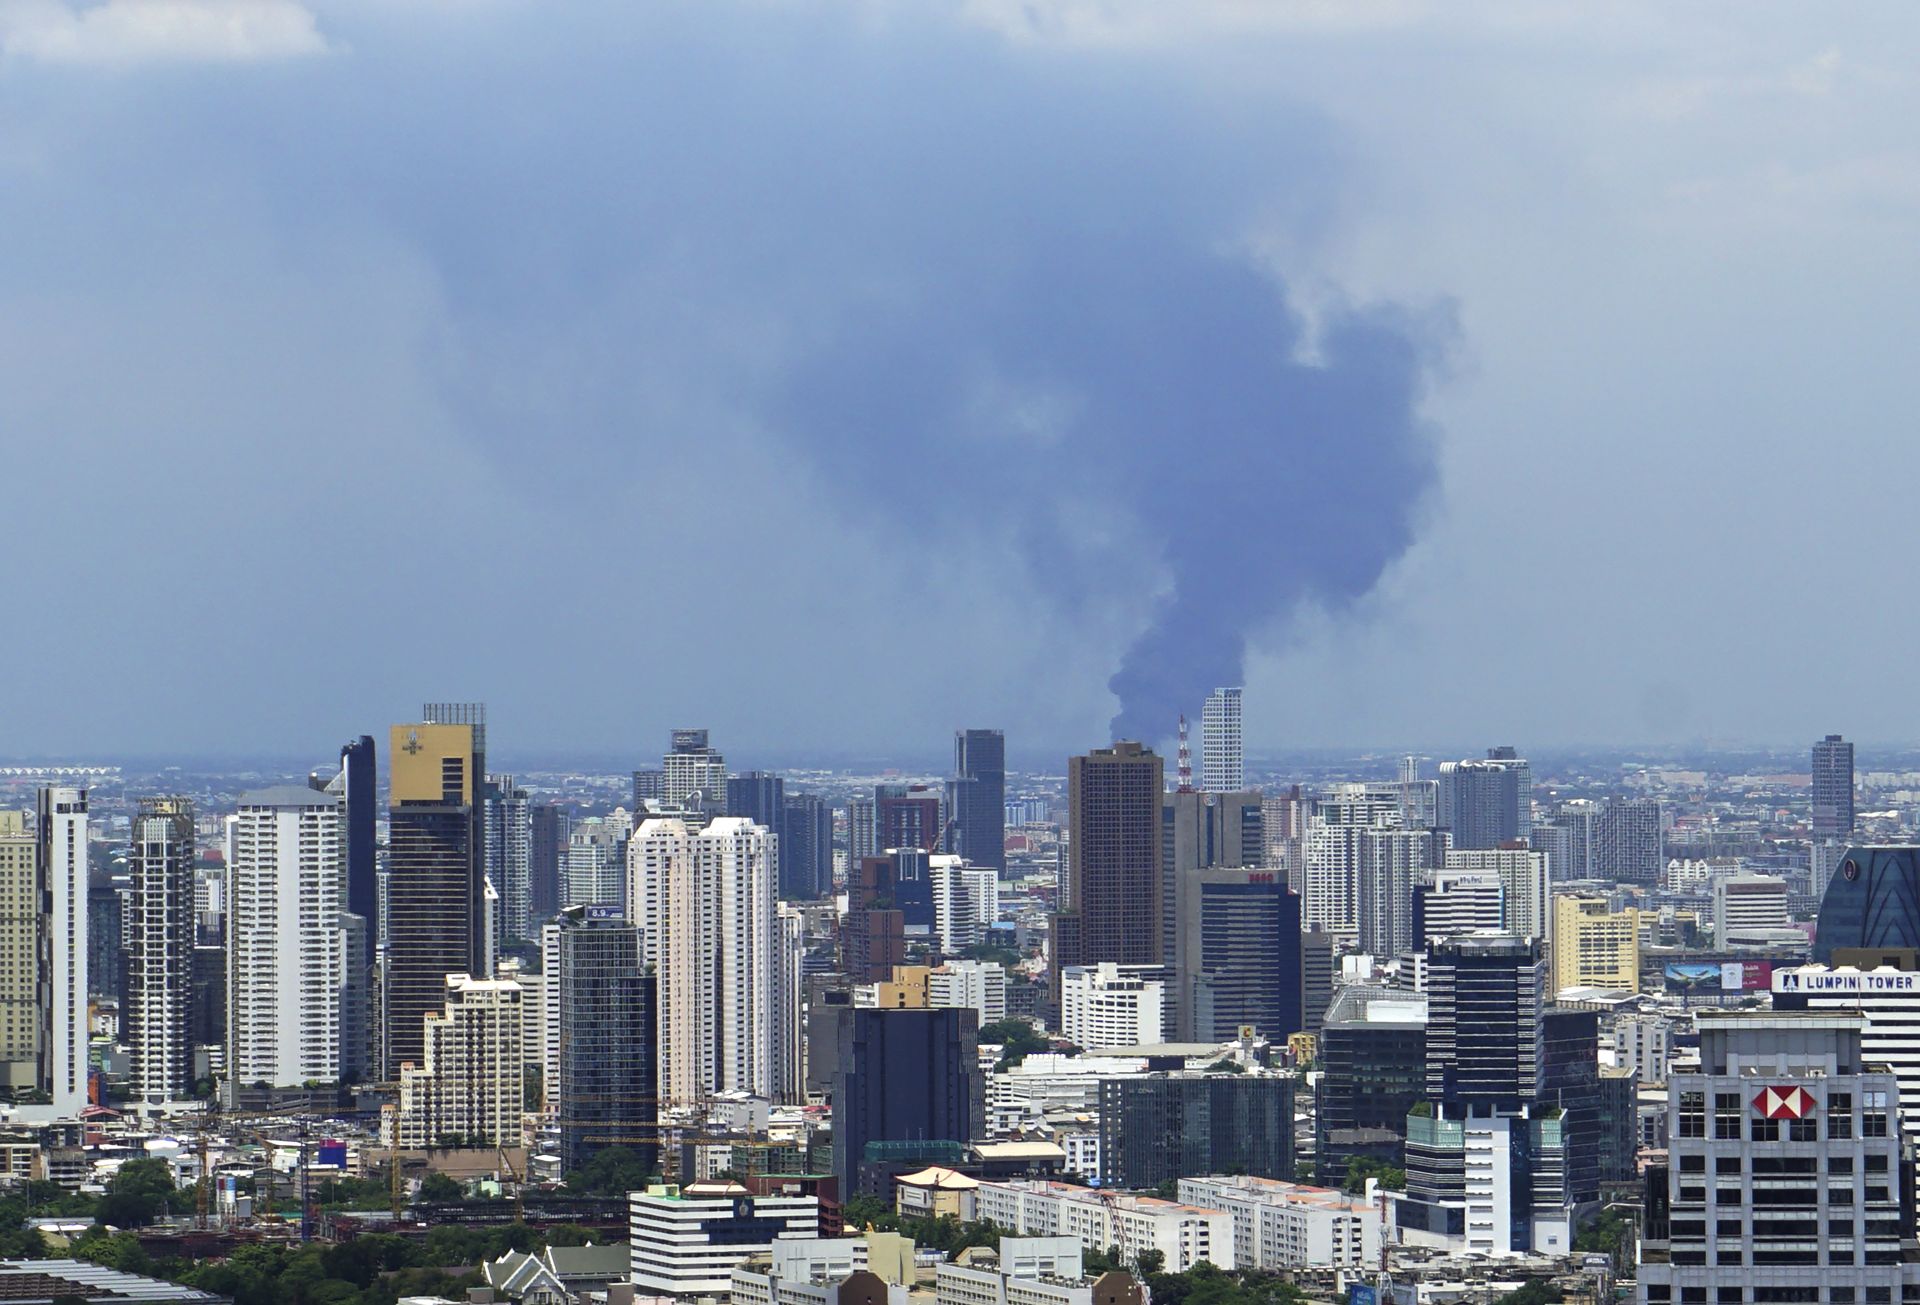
(1718, 976)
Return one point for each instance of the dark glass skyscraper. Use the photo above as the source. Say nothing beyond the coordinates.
(607, 1092)
(977, 798)
(1373, 1070)
(806, 848)
(547, 849)
(758, 796)
(1832, 788)
(435, 912)
(1112, 907)
(1239, 956)
(361, 784)
(1487, 803)
(1872, 901)
(906, 1078)
(1157, 1127)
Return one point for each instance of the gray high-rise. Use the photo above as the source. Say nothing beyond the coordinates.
(977, 798)
(1832, 788)
(158, 1019)
(1628, 845)
(1487, 803)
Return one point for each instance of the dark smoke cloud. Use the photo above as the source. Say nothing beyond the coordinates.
(990, 300)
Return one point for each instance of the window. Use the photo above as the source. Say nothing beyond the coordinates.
(1726, 1116)
(1803, 1130)
(1876, 1164)
(1839, 1114)
(1840, 1164)
(1693, 1114)
(1693, 1164)
(1727, 1164)
(1728, 1228)
(1873, 1114)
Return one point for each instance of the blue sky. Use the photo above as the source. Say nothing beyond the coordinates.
(836, 374)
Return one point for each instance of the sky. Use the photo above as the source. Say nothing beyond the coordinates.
(838, 374)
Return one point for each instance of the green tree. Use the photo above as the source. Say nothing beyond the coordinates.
(1534, 1292)
(1017, 1039)
(613, 1172)
(1362, 1167)
(437, 1187)
(119, 1250)
(139, 1192)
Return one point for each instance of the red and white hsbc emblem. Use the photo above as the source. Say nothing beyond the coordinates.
(1784, 1103)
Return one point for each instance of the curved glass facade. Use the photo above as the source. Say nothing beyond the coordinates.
(1873, 900)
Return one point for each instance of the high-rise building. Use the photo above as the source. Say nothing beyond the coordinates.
(863, 839)
(1456, 902)
(1373, 1071)
(1833, 788)
(686, 1242)
(1628, 842)
(1391, 862)
(1595, 946)
(706, 906)
(1788, 1177)
(1200, 831)
(1873, 902)
(508, 813)
(806, 848)
(286, 857)
(1239, 956)
(596, 864)
(158, 1020)
(1222, 758)
(19, 951)
(977, 798)
(1748, 904)
(1108, 1005)
(966, 902)
(693, 773)
(1156, 1128)
(1506, 1143)
(1883, 988)
(1487, 803)
(1316, 976)
(435, 880)
(649, 788)
(907, 816)
(607, 1092)
(1571, 840)
(469, 1085)
(61, 816)
(359, 790)
(1524, 884)
(1333, 851)
(903, 1078)
(1112, 906)
(549, 832)
(759, 796)
(873, 931)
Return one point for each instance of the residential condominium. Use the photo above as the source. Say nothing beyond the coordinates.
(470, 1090)
(1183, 1234)
(157, 1019)
(1524, 884)
(704, 901)
(1222, 757)
(286, 864)
(1280, 1225)
(687, 1241)
(1108, 1005)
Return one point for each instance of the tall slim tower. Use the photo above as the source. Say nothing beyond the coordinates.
(158, 1018)
(286, 854)
(1832, 788)
(606, 1038)
(62, 860)
(1112, 906)
(509, 851)
(359, 787)
(434, 877)
(977, 798)
(704, 902)
(692, 768)
(1222, 760)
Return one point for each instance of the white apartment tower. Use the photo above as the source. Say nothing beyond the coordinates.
(1222, 760)
(1524, 884)
(62, 821)
(706, 904)
(471, 1086)
(286, 857)
(966, 902)
(1109, 1005)
(157, 1022)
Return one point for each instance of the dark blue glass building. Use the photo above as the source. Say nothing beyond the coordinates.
(1873, 900)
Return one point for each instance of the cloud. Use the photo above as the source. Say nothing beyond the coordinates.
(120, 33)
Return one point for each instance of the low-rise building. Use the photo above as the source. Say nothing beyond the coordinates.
(1184, 1235)
(687, 1241)
(1029, 1271)
(1279, 1225)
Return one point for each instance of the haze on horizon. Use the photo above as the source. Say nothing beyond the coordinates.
(835, 375)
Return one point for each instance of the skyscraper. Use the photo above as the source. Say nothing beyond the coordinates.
(1833, 788)
(1200, 831)
(705, 904)
(1628, 842)
(692, 772)
(977, 798)
(759, 796)
(19, 950)
(1487, 803)
(61, 816)
(549, 833)
(158, 1018)
(608, 1081)
(902, 1077)
(1239, 956)
(286, 857)
(1111, 909)
(434, 877)
(1222, 760)
(1392, 861)
(873, 934)
(359, 787)
(806, 848)
(906, 815)
(862, 837)
(1523, 875)
(1873, 902)
(508, 814)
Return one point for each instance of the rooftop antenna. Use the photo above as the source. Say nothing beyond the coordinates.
(1186, 758)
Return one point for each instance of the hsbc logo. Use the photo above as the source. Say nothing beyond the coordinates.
(1784, 1103)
